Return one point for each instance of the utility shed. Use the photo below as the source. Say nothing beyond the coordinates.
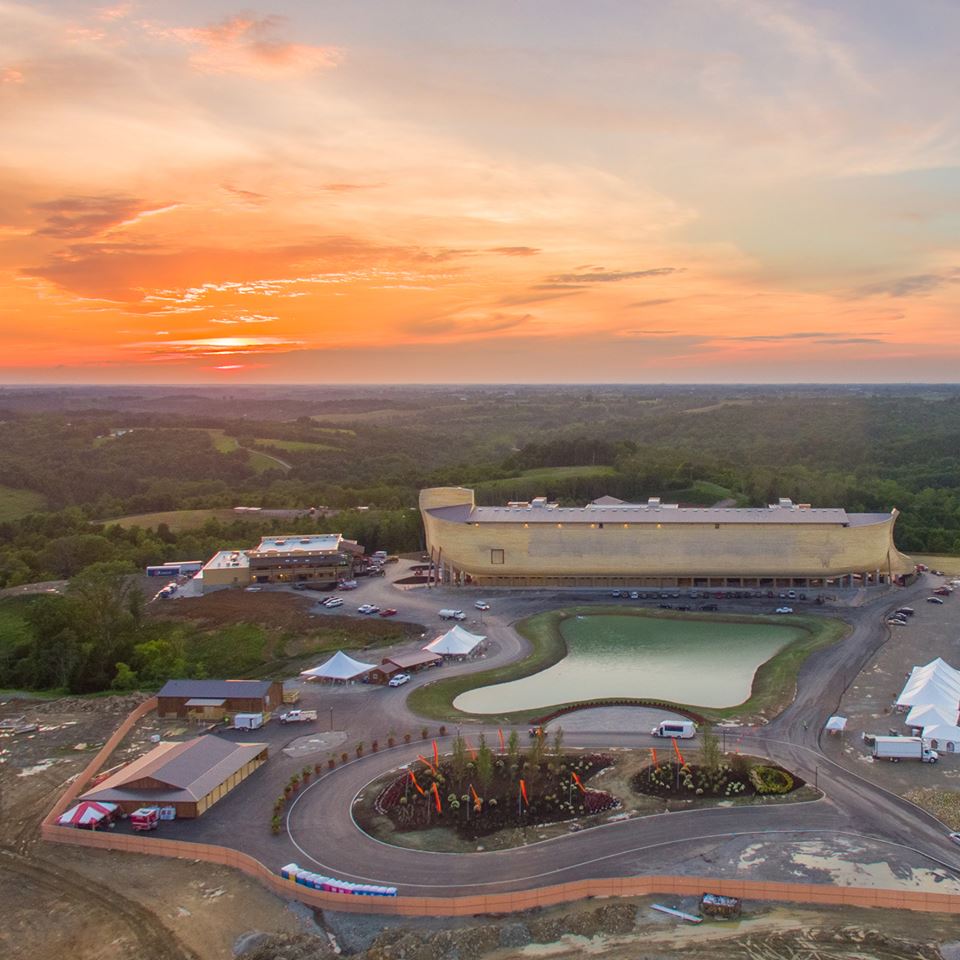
(215, 699)
(191, 775)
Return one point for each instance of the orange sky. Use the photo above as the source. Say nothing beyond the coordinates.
(318, 192)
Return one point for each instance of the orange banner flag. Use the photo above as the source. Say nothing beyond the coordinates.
(436, 796)
(653, 751)
(477, 804)
(502, 747)
(523, 792)
(676, 750)
(436, 755)
(469, 746)
(576, 780)
(413, 777)
(426, 762)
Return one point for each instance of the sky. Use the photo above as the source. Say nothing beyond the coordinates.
(332, 192)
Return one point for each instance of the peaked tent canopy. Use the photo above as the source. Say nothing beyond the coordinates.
(456, 642)
(836, 724)
(946, 735)
(87, 813)
(338, 667)
(925, 714)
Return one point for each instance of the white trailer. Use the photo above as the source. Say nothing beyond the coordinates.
(247, 721)
(903, 748)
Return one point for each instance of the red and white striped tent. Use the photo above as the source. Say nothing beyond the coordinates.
(88, 813)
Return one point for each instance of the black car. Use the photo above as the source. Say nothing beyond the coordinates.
(710, 606)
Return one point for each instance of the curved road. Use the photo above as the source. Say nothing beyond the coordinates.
(320, 825)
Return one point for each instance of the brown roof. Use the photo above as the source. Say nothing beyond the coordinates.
(189, 770)
(416, 659)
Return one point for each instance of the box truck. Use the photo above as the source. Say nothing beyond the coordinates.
(903, 748)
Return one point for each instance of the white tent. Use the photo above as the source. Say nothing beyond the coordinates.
(943, 736)
(456, 642)
(338, 667)
(924, 714)
(836, 724)
(934, 683)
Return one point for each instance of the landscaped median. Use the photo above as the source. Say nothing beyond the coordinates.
(773, 687)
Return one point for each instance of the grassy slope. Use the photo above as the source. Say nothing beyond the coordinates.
(16, 503)
(176, 520)
(773, 689)
(295, 446)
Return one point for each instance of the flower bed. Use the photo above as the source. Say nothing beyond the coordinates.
(483, 795)
(737, 777)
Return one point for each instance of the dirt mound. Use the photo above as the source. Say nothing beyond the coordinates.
(224, 607)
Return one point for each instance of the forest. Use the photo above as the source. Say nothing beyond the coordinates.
(95, 485)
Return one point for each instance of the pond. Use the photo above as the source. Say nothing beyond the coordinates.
(702, 663)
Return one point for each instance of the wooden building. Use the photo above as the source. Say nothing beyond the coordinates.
(212, 700)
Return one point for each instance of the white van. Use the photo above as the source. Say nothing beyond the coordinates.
(452, 615)
(678, 729)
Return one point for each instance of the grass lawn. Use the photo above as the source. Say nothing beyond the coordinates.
(16, 503)
(774, 683)
(701, 492)
(532, 482)
(295, 446)
(949, 565)
(177, 520)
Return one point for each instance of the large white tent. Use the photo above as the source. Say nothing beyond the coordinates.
(338, 667)
(943, 736)
(456, 642)
(935, 683)
(926, 714)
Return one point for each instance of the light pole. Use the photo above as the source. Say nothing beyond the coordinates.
(331, 718)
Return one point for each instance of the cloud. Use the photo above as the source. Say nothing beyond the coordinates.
(599, 275)
(649, 303)
(516, 251)
(915, 285)
(775, 337)
(167, 350)
(11, 75)
(246, 318)
(247, 45)
(519, 299)
(250, 197)
(347, 187)
(559, 286)
(87, 216)
(842, 340)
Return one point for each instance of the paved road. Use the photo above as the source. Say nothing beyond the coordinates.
(321, 830)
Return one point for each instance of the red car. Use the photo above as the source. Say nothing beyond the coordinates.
(389, 612)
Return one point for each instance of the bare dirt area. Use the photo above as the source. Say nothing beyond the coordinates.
(89, 904)
(630, 929)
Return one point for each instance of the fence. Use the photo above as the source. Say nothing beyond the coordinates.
(508, 902)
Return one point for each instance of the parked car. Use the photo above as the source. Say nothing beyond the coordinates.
(368, 608)
(634, 595)
(347, 585)
(943, 591)
(709, 606)
(399, 679)
(389, 612)
(332, 601)
(784, 610)
(614, 593)
(897, 621)
(904, 612)
(251, 589)
(934, 599)
(955, 837)
(482, 605)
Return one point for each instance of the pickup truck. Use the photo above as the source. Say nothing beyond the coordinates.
(298, 716)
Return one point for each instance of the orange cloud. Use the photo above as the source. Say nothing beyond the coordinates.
(247, 45)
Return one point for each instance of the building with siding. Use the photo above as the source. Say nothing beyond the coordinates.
(212, 700)
(612, 543)
(190, 776)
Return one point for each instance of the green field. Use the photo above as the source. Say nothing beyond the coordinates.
(295, 446)
(701, 493)
(16, 503)
(773, 688)
(534, 482)
(176, 520)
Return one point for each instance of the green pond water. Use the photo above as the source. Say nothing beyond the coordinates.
(697, 662)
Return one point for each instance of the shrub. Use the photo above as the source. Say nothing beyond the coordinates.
(407, 738)
(443, 730)
(344, 757)
(770, 779)
(424, 733)
(359, 749)
(276, 825)
(317, 767)
(306, 773)
(390, 741)
(331, 761)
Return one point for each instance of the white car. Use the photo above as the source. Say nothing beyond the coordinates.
(634, 595)
(482, 605)
(934, 599)
(784, 610)
(399, 680)
(896, 621)
(367, 608)
(333, 602)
